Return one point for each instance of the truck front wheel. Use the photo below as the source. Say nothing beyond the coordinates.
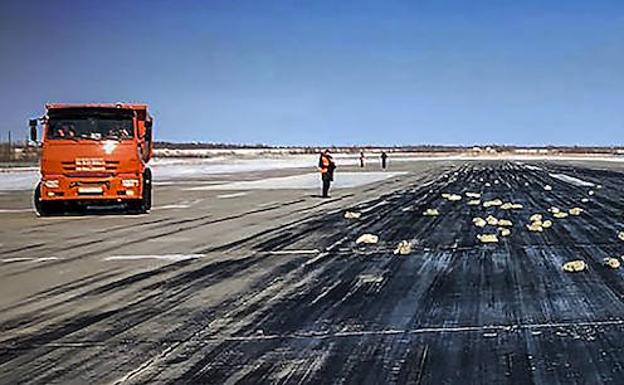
(144, 205)
(43, 208)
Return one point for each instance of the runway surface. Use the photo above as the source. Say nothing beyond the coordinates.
(269, 287)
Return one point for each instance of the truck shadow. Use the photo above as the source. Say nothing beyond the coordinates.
(81, 211)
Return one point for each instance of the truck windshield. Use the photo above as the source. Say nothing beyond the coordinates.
(75, 124)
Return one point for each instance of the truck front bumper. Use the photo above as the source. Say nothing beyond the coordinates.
(112, 188)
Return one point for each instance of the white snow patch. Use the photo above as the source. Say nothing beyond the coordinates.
(171, 207)
(28, 259)
(14, 169)
(170, 169)
(296, 251)
(185, 204)
(169, 239)
(167, 257)
(572, 180)
(176, 170)
(185, 168)
(234, 195)
(13, 211)
(16, 180)
(304, 181)
(179, 182)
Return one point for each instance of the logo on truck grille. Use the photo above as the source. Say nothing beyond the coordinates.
(90, 164)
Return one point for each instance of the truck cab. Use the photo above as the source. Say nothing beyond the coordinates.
(94, 154)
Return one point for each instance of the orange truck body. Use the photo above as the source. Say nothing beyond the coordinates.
(81, 164)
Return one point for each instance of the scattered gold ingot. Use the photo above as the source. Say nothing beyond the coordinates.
(492, 203)
(451, 197)
(535, 218)
(504, 232)
(491, 220)
(403, 248)
(488, 238)
(431, 212)
(479, 222)
(511, 206)
(574, 266)
(352, 215)
(576, 211)
(535, 227)
(367, 239)
(613, 263)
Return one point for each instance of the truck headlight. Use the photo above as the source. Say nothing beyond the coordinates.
(129, 182)
(51, 183)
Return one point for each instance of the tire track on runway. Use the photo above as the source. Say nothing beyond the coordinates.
(192, 224)
(355, 315)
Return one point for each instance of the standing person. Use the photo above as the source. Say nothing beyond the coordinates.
(326, 167)
(362, 159)
(384, 156)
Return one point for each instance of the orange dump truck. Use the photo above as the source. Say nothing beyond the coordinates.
(94, 154)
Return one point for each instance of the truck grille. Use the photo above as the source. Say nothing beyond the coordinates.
(90, 167)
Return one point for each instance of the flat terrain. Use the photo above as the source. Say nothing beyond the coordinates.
(269, 287)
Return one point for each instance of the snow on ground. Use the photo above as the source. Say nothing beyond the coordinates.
(18, 180)
(13, 211)
(229, 196)
(167, 257)
(304, 181)
(188, 168)
(195, 168)
(572, 180)
(178, 169)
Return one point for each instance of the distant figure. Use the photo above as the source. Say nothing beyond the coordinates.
(326, 167)
(362, 159)
(384, 156)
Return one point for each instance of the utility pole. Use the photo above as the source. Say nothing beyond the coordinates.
(10, 147)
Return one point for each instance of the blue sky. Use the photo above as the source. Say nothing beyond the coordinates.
(327, 72)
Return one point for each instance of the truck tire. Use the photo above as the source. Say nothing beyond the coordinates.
(144, 205)
(43, 209)
(147, 188)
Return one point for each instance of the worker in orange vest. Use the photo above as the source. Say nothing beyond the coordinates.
(326, 167)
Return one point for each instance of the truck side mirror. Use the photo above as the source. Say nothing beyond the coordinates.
(33, 129)
(148, 131)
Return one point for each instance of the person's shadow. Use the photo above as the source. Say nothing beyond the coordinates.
(318, 196)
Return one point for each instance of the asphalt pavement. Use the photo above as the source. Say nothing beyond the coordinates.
(269, 286)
